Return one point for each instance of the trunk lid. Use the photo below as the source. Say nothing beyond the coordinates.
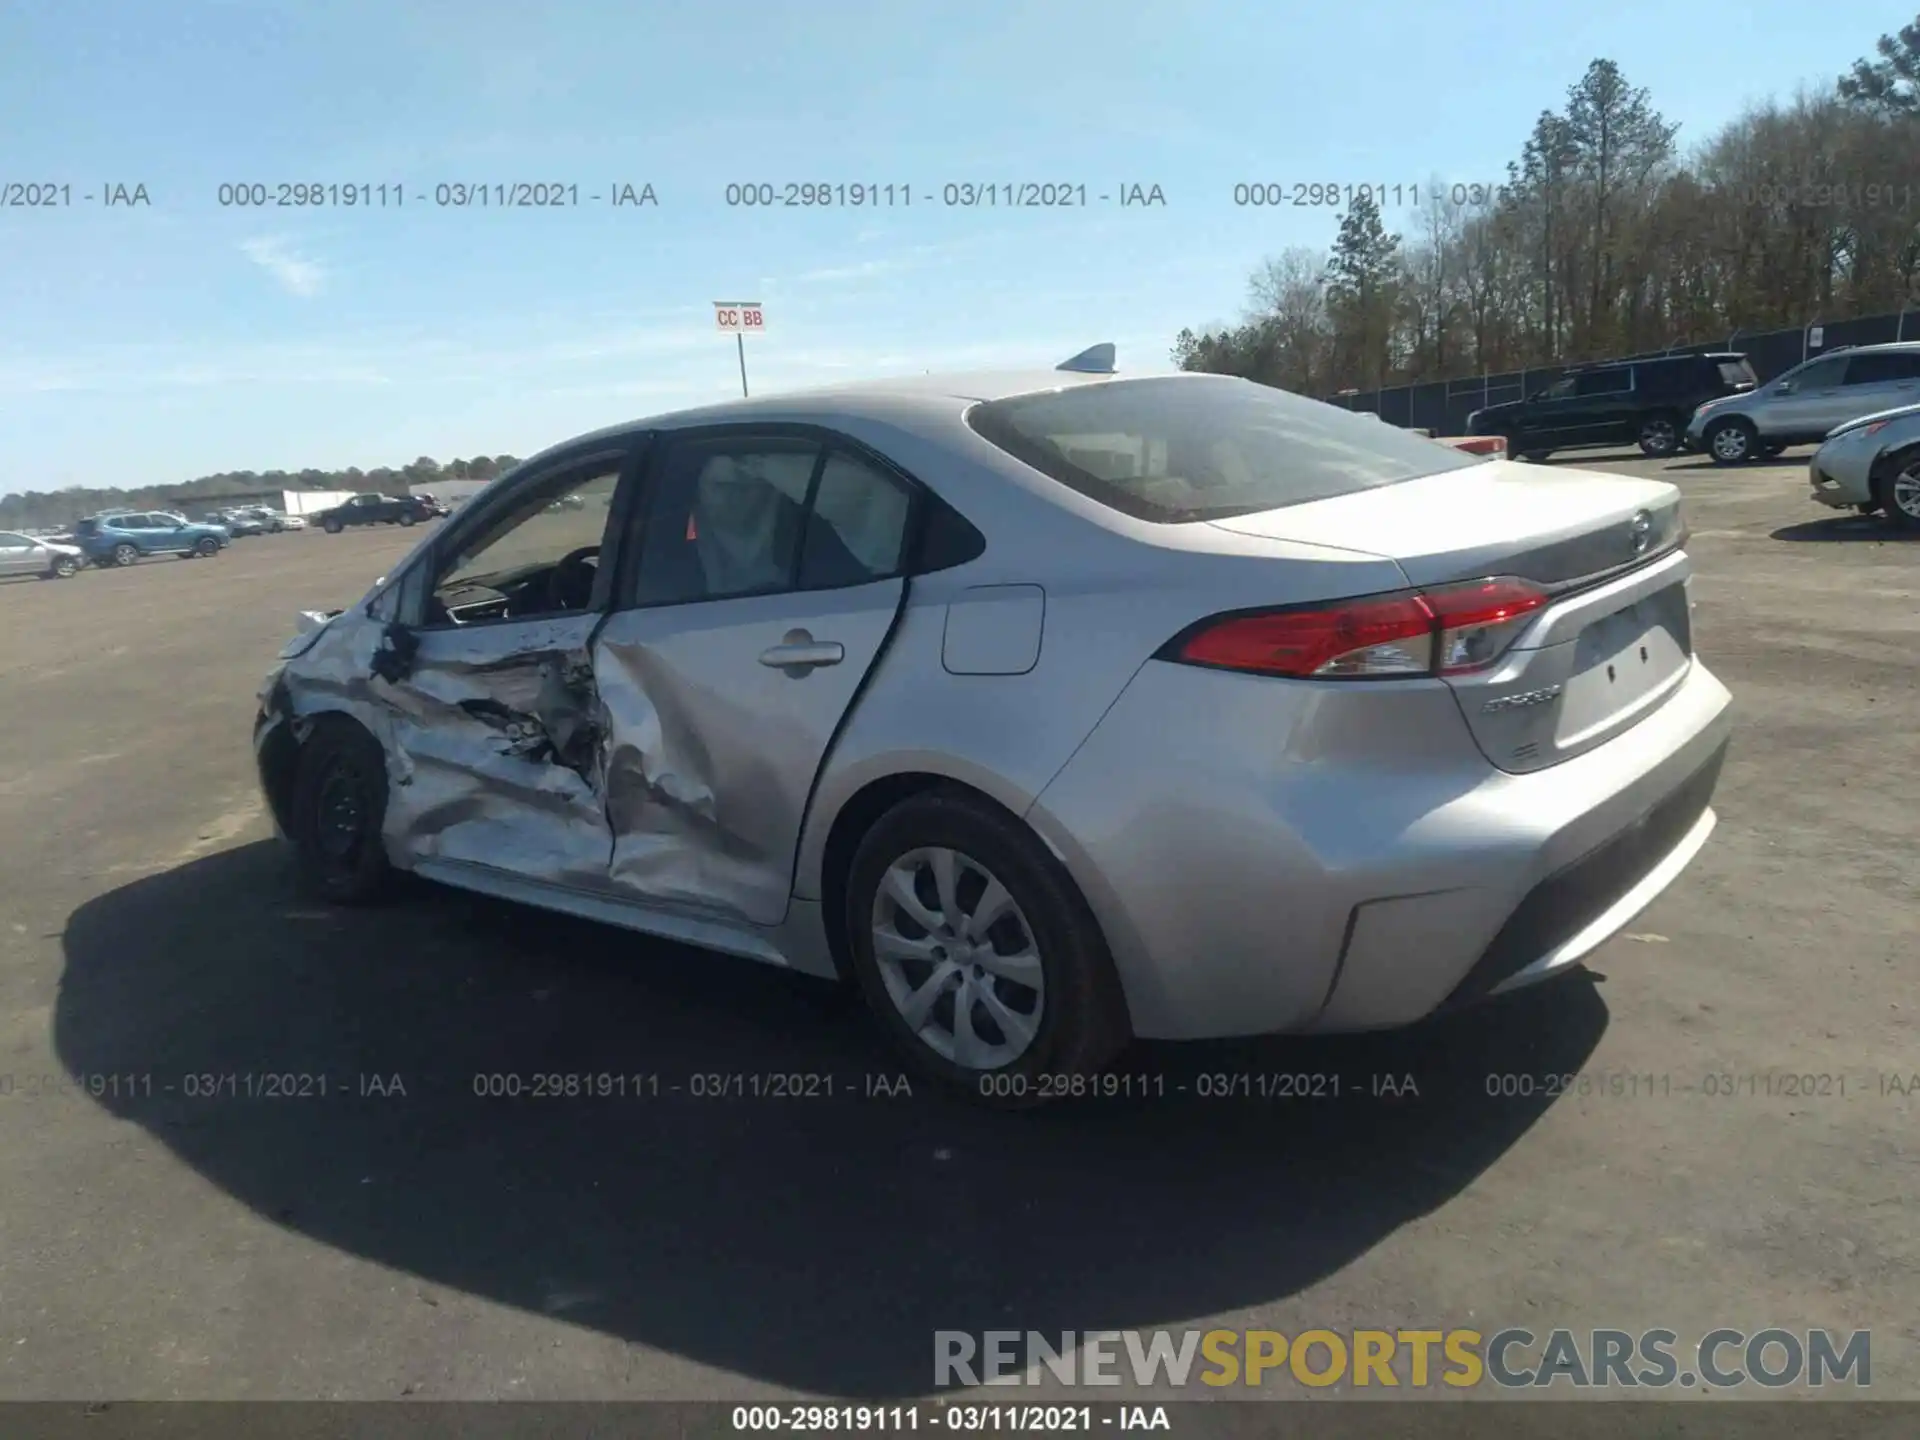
(1610, 648)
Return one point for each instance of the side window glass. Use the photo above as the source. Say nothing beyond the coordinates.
(1823, 376)
(724, 518)
(858, 529)
(538, 555)
(1605, 382)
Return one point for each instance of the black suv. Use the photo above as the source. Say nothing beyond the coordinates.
(1646, 401)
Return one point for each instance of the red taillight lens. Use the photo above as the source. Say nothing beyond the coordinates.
(1478, 622)
(1437, 632)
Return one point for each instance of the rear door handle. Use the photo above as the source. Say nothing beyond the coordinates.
(798, 652)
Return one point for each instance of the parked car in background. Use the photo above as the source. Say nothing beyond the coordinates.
(124, 537)
(1643, 402)
(1423, 726)
(1805, 405)
(371, 509)
(241, 522)
(1872, 463)
(433, 502)
(35, 555)
(275, 520)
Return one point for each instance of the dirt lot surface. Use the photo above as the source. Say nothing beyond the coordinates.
(160, 1243)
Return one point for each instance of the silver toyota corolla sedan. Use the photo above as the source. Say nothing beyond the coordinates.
(1053, 708)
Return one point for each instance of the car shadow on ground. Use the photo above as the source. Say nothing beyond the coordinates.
(808, 1242)
(1842, 529)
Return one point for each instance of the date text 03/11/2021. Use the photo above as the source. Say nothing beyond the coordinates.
(952, 195)
(965, 1417)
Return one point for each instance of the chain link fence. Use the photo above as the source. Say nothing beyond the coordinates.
(1441, 407)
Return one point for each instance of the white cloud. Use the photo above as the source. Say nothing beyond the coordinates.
(295, 272)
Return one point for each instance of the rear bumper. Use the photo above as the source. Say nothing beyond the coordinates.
(1270, 857)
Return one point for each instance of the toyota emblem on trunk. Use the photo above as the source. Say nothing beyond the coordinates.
(1640, 532)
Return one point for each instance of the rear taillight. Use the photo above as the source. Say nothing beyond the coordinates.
(1447, 631)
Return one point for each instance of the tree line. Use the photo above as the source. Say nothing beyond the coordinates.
(1607, 239)
(38, 509)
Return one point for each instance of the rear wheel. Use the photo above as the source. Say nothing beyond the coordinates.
(1732, 441)
(1899, 492)
(125, 554)
(406, 517)
(1659, 435)
(339, 809)
(978, 954)
(332, 527)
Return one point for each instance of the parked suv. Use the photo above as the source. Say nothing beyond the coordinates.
(1644, 401)
(121, 539)
(1810, 400)
(371, 509)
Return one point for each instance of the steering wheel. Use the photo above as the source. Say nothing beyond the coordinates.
(570, 582)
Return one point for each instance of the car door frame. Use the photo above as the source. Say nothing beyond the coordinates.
(408, 632)
(32, 558)
(1895, 390)
(922, 502)
(1544, 421)
(1802, 430)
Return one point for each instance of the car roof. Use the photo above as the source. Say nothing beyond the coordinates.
(931, 398)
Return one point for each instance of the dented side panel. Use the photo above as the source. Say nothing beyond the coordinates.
(713, 746)
(501, 739)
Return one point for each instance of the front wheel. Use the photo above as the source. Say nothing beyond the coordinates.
(65, 567)
(406, 517)
(206, 547)
(1899, 493)
(978, 954)
(1659, 436)
(125, 554)
(1733, 441)
(339, 809)
(332, 527)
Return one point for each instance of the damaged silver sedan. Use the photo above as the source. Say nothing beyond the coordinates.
(1053, 708)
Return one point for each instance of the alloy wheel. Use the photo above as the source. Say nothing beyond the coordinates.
(1906, 491)
(1730, 443)
(958, 958)
(1658, 437)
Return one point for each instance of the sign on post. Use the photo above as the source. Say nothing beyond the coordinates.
(739, 318)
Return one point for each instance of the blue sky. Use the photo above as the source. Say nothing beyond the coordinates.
(156, 343)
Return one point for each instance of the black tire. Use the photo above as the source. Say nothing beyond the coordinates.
(332, 527)
(64, 567)
(406, 517)
(1083, 1019)
(206, 547)
(1660, 435)
(1532, 456)
(339, 808)
(125, 554)
(1897, 490)
(1732, 441)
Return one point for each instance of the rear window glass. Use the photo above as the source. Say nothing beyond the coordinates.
(1177, 450)
(1737, 372)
